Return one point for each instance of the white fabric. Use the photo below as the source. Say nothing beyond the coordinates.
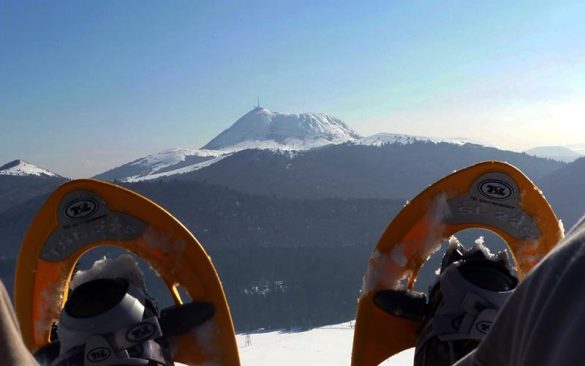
(12, 349)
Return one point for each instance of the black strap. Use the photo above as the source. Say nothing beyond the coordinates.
(180, 319)
(402, 303)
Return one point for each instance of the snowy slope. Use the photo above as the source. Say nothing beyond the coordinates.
(262, 128)
(162, 164)
(22, 168)
(392, 138)
(329, 345)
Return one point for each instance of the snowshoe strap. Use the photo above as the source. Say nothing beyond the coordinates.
(180, 319)
(405, 304)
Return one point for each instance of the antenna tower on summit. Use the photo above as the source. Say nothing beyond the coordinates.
(257, 106)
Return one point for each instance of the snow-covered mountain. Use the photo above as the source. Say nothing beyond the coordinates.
(22, 168)
(21, 182)
(162, 164)
(259, 129)
(560, 153)
(262, 128)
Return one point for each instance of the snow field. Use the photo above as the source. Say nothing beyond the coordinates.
(328, 345)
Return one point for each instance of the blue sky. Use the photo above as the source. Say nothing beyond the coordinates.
(87, 85)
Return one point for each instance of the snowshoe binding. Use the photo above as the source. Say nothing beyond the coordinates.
(472, 287)
(110, 319)
(393, 317)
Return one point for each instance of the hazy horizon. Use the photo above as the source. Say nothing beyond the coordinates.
(89, 86)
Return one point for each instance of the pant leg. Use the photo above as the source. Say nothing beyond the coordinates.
(543, 322)
(12, 349)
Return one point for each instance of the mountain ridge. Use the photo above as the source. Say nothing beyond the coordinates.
(260, 129)
(559, 153)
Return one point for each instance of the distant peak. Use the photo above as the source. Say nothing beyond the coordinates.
(22, 168)
(559, 153)
(263, 128)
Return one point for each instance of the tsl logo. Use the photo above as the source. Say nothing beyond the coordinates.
(495, 189)
(79, 209)
(484, 326)
(140, 332)
(98, 354)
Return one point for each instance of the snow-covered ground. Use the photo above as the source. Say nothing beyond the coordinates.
(329, 345)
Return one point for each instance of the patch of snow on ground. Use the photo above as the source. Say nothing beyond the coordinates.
(329, 345)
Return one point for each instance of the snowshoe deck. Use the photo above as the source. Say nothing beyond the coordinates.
(84, 214)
